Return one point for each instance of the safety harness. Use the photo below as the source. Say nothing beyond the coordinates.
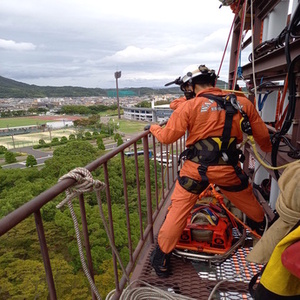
(217, 150)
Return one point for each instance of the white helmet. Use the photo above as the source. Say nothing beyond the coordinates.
(193, 71)
(227, 2)
(192, 75)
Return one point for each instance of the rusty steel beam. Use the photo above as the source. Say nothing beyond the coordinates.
(272, 65)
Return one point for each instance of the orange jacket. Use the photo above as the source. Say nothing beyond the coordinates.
(203, 118)
(175, 103)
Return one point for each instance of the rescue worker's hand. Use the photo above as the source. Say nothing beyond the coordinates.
(147, 127)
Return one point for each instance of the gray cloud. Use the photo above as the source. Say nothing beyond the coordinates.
(82, 43)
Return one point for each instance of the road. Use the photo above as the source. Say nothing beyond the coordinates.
(29, 150)
(40, 157)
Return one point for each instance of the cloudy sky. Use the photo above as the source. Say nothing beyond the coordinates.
(83, 42)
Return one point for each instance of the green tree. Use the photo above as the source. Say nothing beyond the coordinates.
(100, 143)
(10, 157)
(20, 249)
(120, 141)
(106, 279)
(72, 137)
(30, 161)
(63, 140)
(146, 104)
(23, 279)
(111, 125)
(79, 136)
(55, 141)
(117, 136)
(88, 135)
(69, 156)
(68, 285)
(20, 186)
(42, 142)
(95, 134)
(2, 149)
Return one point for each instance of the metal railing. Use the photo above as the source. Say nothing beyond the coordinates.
(165, 175)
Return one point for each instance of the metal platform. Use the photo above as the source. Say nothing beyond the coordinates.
(197, 279)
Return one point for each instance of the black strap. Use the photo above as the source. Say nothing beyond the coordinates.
(225, 103)
(239, 187)
(202, 172)
(191, 185)
(230, 112)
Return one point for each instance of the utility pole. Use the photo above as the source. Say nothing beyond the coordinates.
(117, 76)
(13, 140)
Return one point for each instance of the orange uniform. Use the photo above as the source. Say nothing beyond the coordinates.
(204, 119)
(175, 103)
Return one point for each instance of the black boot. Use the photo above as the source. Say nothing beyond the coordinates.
(160, 262)
(258, 227)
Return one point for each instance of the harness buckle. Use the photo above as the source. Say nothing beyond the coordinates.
(225, 156)
(233, 101)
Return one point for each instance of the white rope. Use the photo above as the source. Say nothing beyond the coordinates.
(86, 183)
(146, 292)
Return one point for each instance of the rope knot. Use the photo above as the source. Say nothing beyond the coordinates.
(84, 183)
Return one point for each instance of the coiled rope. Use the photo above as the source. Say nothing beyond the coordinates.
(146, 292)
(85, 183)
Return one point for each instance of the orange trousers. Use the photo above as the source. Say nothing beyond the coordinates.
(183, 201)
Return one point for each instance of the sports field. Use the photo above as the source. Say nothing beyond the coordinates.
(33, 120)
(30, 139)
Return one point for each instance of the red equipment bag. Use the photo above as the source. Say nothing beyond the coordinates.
(208, 228)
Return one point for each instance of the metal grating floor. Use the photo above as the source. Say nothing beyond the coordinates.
(198, 279)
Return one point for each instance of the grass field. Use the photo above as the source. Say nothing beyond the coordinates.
(127, 126)
(22, 121)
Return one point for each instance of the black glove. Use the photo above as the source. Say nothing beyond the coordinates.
(147, 127)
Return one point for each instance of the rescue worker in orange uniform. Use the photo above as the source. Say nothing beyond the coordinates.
(211, 155)
(175, 103)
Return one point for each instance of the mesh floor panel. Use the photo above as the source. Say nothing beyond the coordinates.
(198, 279)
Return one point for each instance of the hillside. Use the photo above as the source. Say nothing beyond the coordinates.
(14, 89)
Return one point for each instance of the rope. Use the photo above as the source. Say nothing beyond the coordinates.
(146, 292)
(251, 139)
(211, 191)
(86, 183)
(280, 116)
(230, 31)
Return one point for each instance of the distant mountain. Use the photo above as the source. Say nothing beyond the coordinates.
(14, 89)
